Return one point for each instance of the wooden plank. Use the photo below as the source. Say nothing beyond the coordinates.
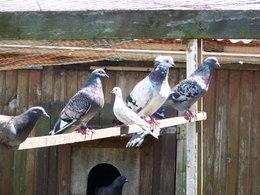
(146, 169)
(232, 130)
(71, 83)
(2, 90)
(167, 164)
(59, 85)
(209, 136)
(45, 141)
(191, 134)
(18, 185)
(255, 137)
(246, 102)
(130, 24)
(221, 116)
(33, 100)
(64, 169)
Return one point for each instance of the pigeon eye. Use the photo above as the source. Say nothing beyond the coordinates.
(167, 61)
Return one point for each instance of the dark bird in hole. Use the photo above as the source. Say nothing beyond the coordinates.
(15, 129)
(83, 106)
(115, 188)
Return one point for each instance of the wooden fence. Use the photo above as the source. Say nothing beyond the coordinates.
(231, 132)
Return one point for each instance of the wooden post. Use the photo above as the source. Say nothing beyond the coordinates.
(191, 135)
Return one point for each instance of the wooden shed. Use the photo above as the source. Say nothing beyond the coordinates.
(45, 64)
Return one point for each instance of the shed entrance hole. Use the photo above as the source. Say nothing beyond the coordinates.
(101, 175)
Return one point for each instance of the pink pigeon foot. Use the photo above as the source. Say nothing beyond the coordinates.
(85, 130)
(189, 115)
(151, 121)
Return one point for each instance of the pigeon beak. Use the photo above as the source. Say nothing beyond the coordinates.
(46, 115)
(173, 65)
(106, 76)
(218, 64)
(126, 181)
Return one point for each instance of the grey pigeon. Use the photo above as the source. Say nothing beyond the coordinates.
(15, 129)
(188, 91)
(184, 95)
(113, 189)
(83, 106)
(126, 115)
(151, 92)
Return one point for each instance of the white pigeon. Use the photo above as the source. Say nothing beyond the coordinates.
(151, 92)
(126, 115)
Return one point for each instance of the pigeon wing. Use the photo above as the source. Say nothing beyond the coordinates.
(140, 96)
(77, 107)
(186, 90)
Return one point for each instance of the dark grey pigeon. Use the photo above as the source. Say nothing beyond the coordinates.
(15, 129)
(113, 189)
(83, 106)
(188, 91)
(151, 92)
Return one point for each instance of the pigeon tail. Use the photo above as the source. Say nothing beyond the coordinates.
(61, 125)
(137, 139)
(147, 129)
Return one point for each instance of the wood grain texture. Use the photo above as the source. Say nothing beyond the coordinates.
(130, 24)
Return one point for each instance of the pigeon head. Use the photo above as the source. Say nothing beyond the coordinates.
(38, 112)
(100, 73)
(117, 91)
(165, 61)
(120, 180)
(212, 62)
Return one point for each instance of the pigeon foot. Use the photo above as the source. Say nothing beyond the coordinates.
(151, 121)
(85, 130)
(189, 115)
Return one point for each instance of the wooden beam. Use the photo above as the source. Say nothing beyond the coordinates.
(130, 24)
(46, 141)
(191, 135)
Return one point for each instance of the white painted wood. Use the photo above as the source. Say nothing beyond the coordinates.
(191, 135)
(46, 141)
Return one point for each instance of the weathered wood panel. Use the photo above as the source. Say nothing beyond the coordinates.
(231, 132)
(130, 24)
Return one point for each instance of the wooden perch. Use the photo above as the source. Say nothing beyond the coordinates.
(46, 141)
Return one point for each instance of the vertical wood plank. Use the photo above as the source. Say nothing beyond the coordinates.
(43, 127)
(146, 169)
(255, 137)
(108, 84)
(220, 132)
(246, 98)
(64, 169)
(209, 141)
(2, 90)
(33, 100)
(71, 83)
(20, 157)
(180, 188)
(167, 163)
(232, 131)
(191, 134)
(59, 85)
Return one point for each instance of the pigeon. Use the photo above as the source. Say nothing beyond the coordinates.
(113, 189)
(183, 96)
(151, 92)
(15, 129)
(83, 106)
(126, 115)
(188, 91)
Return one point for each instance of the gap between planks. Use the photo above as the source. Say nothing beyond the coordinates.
(46, 141)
